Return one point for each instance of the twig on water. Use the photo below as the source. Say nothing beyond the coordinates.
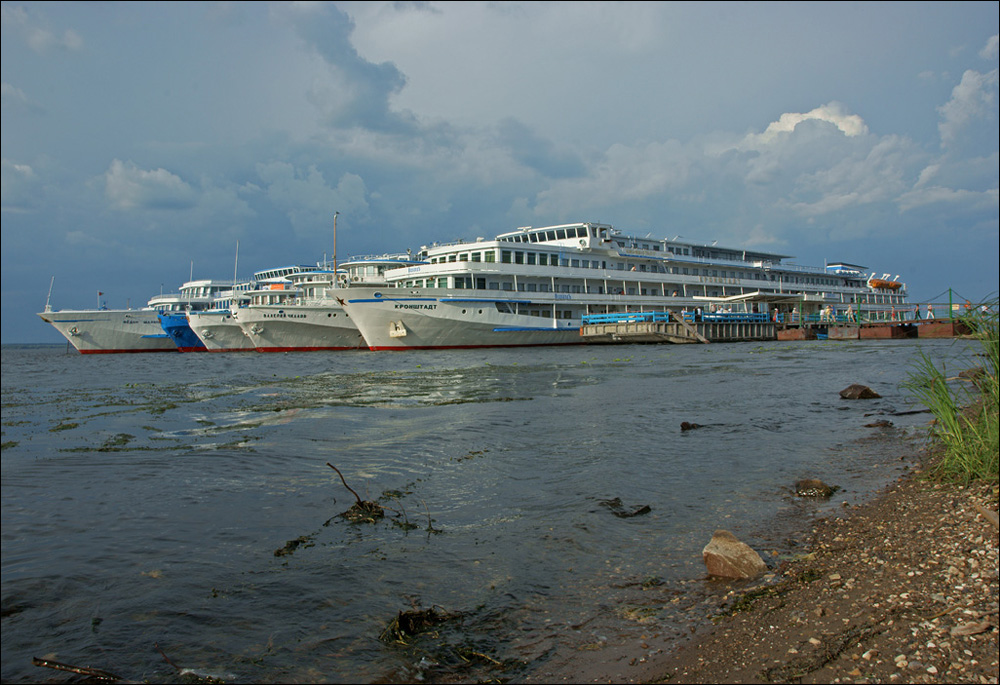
(81, 670)
(344, 481)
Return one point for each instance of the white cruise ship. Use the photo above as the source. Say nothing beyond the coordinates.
(219, 328)
(303, 311)
(533, 286)
(104, 331)
(112, 331)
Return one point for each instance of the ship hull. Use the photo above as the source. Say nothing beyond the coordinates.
(413, 320)
(300, 328)
(219, 331)
(111, 331)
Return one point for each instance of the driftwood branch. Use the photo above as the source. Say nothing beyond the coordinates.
(90, 672)
(165, 657)
(344, 481)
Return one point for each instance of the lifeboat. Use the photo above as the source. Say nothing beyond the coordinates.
(882, 283)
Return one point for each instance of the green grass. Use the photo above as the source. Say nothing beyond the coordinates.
(965, 406)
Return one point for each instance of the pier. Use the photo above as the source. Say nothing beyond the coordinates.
(671, 327)
(668, 326)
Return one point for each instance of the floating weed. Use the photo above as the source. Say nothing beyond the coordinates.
(8, 445)
(160, 409)
(64, 427)
(119, 440)
(471, 455)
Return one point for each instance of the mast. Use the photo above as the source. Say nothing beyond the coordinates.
(48, 307)
(335, 246)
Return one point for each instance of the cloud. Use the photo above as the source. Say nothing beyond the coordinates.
(18, 187)
(358, 91)
(307, 199)
(39, 38)
(990, 50)
(973, 99)
(11, 95)
(849, 124)
(961, 200)
(535, 152)
(128, 187)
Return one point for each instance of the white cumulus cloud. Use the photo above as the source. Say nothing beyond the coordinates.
(129, 187)
(834, 113)
(972, 99)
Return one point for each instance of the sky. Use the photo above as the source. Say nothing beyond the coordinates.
(141, 142)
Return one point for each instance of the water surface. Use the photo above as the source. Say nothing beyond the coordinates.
(145, 496)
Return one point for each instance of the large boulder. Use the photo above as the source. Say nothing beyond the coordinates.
(859, 392)
(726, 557)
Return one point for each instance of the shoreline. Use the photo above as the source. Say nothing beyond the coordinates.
(904, 589)
(900, 589)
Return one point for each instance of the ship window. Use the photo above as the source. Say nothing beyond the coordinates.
(505, 256)
(489, 256)
(543, 259)
(550, 235)
(519, 258)
(531, 258)
(477, 257)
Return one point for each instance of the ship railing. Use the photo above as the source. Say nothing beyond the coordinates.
(727, 317)
(666, 317)
(626, 317)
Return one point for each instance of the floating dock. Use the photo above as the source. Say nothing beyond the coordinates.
(653, 327)
(670, 327)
